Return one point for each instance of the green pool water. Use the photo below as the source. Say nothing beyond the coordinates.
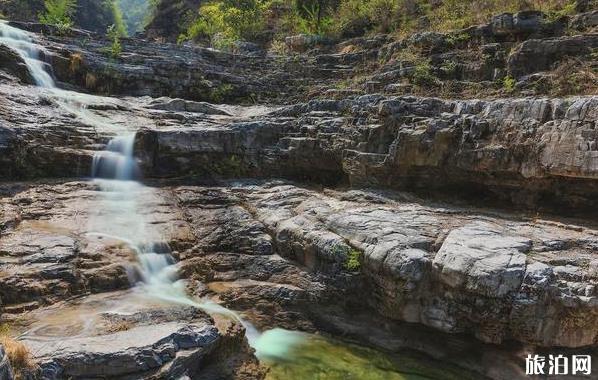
(297, 356)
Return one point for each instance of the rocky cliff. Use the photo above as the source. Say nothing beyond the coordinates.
(396, 220)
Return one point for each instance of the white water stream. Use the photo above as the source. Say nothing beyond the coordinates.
(23, 44)
(121, 217)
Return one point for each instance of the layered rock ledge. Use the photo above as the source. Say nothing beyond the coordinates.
(537, 153)
(457, 270)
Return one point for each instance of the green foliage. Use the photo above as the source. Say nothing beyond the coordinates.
(119, 22)
(4, 329)
(225, 22)
(565, 10)
(456, 39)
(314, 15)
(58, 13)
(422, 76)
(137, 13)
(449, 68)
(353, 262)
(355, 17)
(508, 83)
(114, 36)
(459, 14)
(220, 93)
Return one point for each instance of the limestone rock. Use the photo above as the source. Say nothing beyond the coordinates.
(481, 259)
(136, 351)
(537, 55)
(5, 368)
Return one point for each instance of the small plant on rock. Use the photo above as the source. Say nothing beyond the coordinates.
(113, 34)
(423, 76)
(508, 83)
(353, 262)
(220, 93)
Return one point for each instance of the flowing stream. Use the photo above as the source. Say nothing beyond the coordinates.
(121, 218)
(116, 173)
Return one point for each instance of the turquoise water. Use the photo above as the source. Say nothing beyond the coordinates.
(298, 356)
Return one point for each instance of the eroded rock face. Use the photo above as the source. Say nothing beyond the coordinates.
(436, 266)
(450, 269)
(90, 15)
(185, 71)
(164, 23)
(538, 55)
(530, 152)
(87, 338)
(131, 352)
(46, 249)
(5, 368)
(288, 254)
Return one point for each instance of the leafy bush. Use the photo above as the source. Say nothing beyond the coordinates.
(58, 13)
(459, 14)
(355, 17)
(114, 35)
(223, 23)
(422, 76)
(314, 15)
(119, 22)
(137, 13)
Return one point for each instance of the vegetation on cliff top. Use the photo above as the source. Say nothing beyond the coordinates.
(88, 14)
(225, 21)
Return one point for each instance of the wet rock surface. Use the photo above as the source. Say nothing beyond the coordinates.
(83, 338)
(282, 250)
(289, 211)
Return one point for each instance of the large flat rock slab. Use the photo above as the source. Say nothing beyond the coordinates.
(125, 353)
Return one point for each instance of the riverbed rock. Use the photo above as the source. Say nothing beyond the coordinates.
(340, 241)
(13, 64)
(131, 352)
(150, 341)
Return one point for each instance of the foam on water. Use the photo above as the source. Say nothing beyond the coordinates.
(23, 44)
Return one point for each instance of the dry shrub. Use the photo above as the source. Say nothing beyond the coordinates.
(75, 62)
(574, 77)
(119, 326)
(90, 81)
(18, 355)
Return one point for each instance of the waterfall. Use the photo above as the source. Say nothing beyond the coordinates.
(23, 44)
(121, 216)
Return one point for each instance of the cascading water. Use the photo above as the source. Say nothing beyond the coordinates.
(121, 217)
(23, 44)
